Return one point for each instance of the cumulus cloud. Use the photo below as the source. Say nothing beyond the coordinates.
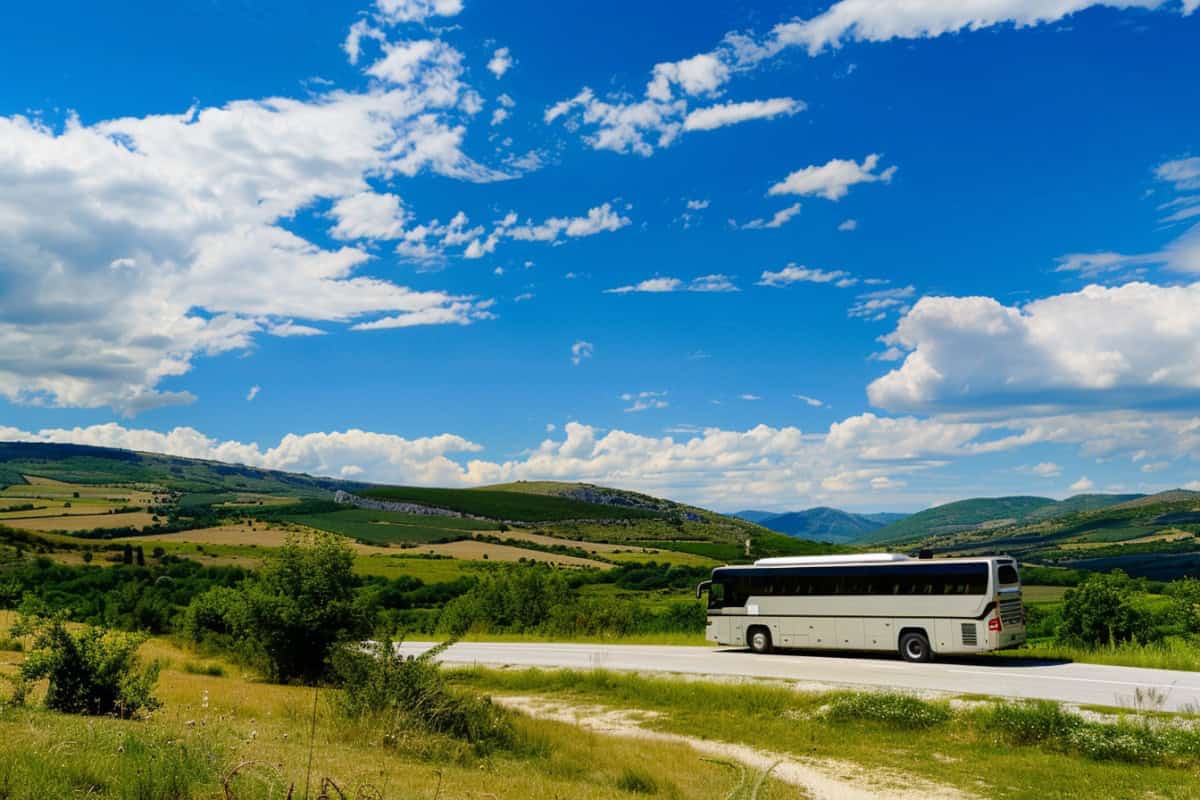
(780, 218)
(848, 225)
(1047, 469)
(974, 352)
(253, 393)
(833, 179)
(704, 283)
(722, 114)
(710, 466)
(1084, 484)
(500, 62)
(580, 351)
(397, 11)
(794, 273)
(150, 223)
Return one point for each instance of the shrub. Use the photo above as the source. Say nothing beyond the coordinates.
(893, 708)
(403, 693)
(1102, 611)
(94, 672)
(1030, 722)
(637, 781)
(211, 670)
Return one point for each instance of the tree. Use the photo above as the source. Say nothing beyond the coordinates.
(1102, 611)
(94, 672)
(127, 554)
(87, 556)
(302, 604)
(141, 557)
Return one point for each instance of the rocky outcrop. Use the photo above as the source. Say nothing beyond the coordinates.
(345, 498)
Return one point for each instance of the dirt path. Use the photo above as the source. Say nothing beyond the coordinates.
(822, 779)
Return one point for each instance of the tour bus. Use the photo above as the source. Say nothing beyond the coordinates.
(872, 601)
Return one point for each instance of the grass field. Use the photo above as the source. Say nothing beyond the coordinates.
(1043, 594)
(931, 741)
(210, 723)
(387, 526)
(83, 522)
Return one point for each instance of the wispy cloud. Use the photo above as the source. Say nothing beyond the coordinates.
(580, 351)
(663, 285)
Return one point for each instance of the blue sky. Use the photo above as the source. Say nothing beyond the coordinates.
(769, 257)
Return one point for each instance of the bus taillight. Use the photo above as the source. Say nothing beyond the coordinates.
(994, 624)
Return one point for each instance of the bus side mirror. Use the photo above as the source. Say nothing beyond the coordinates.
(702, 587)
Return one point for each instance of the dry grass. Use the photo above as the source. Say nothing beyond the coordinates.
(467, 549)
(84, 522)
(239, 718)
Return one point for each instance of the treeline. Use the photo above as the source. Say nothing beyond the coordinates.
(163, 594)
(1109, 609)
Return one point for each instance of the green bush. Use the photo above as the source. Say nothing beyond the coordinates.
(210, 670)
(94, 672)
(1102, 611)
(1031, 722)
(403, 693)
(637, 781)
(893, 708)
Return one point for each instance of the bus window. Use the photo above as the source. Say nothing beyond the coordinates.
(716, 595)
(1008, 575)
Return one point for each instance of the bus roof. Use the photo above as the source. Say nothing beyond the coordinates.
(862, 558)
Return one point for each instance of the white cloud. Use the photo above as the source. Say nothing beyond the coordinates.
(523, 297)
(801, 274)
(869, 21)
(848, 225)
(644, 401)
(253, 393)
(550, 427)
(749, 397)
(704, 283)
(1184, 173)
(499, 115)
(833, 179)
(599, 219)
(710, 466)
(780, 218)
(580, 351)
(1156, 466)
(974, 352)
(1047, 469)
(722, 114)
(697, 205)
(1084, 484)
(500, 62)
(878, 304)
(812, 401)
(397, 11)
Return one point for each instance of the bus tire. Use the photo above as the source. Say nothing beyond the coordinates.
(914, 646)
(759, 639)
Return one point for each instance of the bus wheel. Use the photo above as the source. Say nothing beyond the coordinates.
(760, 640)
(914, 646)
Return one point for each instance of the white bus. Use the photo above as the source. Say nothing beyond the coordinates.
(871, 601)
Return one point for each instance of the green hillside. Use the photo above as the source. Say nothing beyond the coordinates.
(207, 493)
(106, 465)
(958, 516)
(1156, 537)
(990, 513)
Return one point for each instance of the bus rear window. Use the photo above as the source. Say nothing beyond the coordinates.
(1008, 575)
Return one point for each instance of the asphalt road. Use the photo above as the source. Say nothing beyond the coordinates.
(1066, 682)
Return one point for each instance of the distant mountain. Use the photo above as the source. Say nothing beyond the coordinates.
(821, 523)
(984, 513)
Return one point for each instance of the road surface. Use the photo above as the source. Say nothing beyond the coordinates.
(1082, 684)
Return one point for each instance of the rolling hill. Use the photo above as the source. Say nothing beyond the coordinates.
(986, 513)
(185, 493)
(822, 523)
